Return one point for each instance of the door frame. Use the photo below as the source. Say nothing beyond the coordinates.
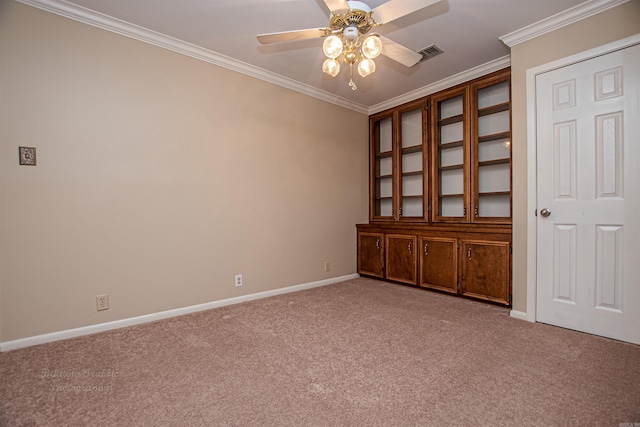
(532, 164)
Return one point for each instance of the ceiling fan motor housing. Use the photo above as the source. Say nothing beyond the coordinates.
(358, 16)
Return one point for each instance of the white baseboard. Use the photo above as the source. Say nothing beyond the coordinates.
(116, 324)
(518, 314)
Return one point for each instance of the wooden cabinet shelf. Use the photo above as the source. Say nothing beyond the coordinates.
(498, 108)
(450, 167)
(453, 144)
(494, 162)
(494, 137)
(496, 193)
(451, 120)
(415, 149)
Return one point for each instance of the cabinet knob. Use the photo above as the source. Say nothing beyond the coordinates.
(426, 251)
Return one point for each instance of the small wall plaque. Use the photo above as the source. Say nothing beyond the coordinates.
(27, 156)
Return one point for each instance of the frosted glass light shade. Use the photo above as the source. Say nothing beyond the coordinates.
(331, 67)
(366, 67)
(332, 47)
(372, 47)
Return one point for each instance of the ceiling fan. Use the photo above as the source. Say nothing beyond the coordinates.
(348, 38)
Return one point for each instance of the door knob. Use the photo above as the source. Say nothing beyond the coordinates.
(545, 212)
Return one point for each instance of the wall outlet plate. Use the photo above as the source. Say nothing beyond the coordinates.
(238, 280)
(27, 156)
(102, 302)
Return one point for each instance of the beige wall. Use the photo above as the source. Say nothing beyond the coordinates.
(608, 26)
(159, 178)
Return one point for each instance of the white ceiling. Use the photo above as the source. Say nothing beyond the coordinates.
(467, 31)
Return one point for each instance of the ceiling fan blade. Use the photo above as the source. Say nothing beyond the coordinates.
(337, 6)
(399, 53)
(287, 36)
(394, 9)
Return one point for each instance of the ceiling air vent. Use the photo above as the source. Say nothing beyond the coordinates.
(429, 52)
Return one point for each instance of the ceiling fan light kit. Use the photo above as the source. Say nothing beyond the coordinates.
(348, 39)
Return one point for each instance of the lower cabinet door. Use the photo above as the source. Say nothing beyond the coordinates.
(439, 263)
(371, 254)
(401, 258)
(485, 267)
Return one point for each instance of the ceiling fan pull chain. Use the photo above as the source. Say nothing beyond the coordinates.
(351, 83)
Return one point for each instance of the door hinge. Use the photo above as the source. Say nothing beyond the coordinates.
(458, 286)
(510, 249)
(458, 245)
(536, 212)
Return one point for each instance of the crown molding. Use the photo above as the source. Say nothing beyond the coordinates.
(456, 79)
(559, 20)
(105, 22)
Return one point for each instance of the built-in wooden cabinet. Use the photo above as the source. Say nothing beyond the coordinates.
(485, 270)
(439, 263)
(440, 192)
(398, 140)
(371, 254)
(471, 152)
(467, 261)
(491, 149)
(401, 259)
(450, 154)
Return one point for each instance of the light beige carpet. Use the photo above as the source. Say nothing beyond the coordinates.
(357, 353)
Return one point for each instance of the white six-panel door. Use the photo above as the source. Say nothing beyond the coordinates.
(588, 195)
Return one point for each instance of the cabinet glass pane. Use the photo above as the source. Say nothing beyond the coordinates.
(451, 133)
(493, 95)
(385, 187)
(385, 166)
(384, 144)
(383, 207)
(494, 205)
(452, 181)
(494, 150)
(494, 178)
(411, 128)
(493, 123)
(412, 185)
(452, 156)
(450, 107)
(412, 207)
(452, 206)
(412, 162)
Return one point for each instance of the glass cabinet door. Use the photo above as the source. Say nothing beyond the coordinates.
(492, 146)
(382, 168)
(450, 152)
(411, 155)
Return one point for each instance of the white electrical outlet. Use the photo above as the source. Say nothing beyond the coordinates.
(238, 280)
(327, 266)
(102, 302)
